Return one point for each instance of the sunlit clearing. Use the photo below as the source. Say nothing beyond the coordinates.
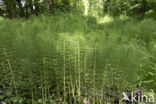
(105, 19)
(86, 6)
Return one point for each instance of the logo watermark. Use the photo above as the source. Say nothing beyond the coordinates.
(138, 97)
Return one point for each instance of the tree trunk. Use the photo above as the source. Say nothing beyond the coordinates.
(51, 6)
(21, 11)
(37, 9)
(27, 12)
(106, 6)
(30, 6)
(143, 9)
(11, 8)
(1, 12)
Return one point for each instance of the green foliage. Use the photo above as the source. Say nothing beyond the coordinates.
(138, 9)
(135, 8)
(68, 58)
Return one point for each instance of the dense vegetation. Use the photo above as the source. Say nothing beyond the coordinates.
(46, 62)
(25, 8)
(76, 52)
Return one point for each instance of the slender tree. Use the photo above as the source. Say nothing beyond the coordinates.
(21, 9)
(143, 9)
(11, 8)
(106, 6)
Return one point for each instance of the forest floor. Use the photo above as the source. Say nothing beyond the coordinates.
(73, 59)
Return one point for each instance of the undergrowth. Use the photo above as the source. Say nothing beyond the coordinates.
(72, 59)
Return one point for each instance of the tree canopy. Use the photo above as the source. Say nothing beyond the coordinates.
(25, 8)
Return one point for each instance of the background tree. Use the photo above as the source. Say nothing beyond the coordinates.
(25, 8)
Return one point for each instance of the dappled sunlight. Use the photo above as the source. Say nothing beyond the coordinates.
(1, 18)
(105, 19)
(86, 7)
(73, 39)
(77, 52)
(123, 17)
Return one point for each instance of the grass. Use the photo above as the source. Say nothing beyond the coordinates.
(72, 59)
